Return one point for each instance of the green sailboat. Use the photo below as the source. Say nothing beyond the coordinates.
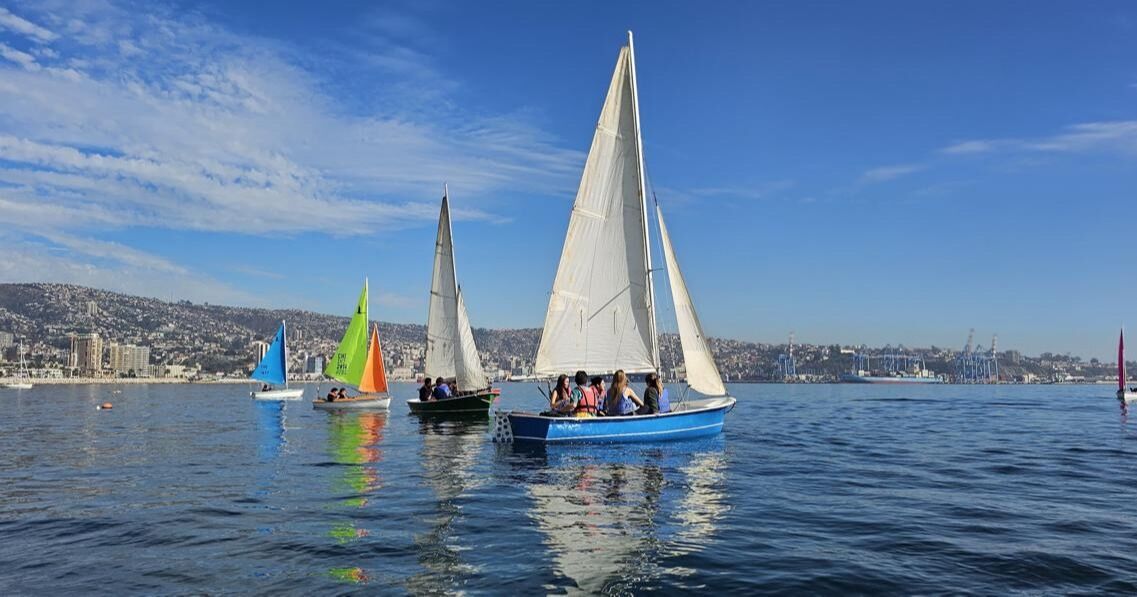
(358, 361)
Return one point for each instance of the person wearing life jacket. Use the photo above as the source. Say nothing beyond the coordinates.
(583, 397)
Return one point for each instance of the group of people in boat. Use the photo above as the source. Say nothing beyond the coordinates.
(439, 389)
(582, 396)
(336, 394)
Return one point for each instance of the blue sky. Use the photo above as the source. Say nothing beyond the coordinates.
(874, 173)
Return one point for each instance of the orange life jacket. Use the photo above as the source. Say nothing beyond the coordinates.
(587, 403)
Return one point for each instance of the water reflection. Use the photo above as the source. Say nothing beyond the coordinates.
(702, 504)
(270, 424)
(611, 514)
(353, 442)
(450, 450)
(271, 443)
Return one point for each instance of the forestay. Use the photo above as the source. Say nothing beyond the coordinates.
(702, 374)
(450, 348)
(599, 316)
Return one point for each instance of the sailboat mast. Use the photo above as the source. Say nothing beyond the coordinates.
(284, 346)
(643, 203)
(450, 232)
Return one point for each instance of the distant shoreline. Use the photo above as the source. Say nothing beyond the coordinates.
(63, 381)
(79, 381)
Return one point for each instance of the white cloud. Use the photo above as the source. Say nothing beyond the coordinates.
(260, 273)
(886, 173)
(21, 25)
(756, 191)
(970, 147)
(115, 117)
(22, 58)
(115, 268)
(114, 251)
(162, 122)
(1113, 135)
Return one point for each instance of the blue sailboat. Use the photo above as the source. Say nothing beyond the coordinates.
(601, 315)
(273, 371)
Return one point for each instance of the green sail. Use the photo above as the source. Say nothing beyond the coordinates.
(351, 356)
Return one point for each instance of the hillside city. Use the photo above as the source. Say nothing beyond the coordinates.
(66, 331)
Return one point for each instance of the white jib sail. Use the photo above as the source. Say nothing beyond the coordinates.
(599, 316)
(450, 349)
(702, 374)
(468, 367)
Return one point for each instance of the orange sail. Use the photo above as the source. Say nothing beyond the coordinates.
(374, 379)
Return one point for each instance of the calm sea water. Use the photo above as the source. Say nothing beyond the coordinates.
(810, 489)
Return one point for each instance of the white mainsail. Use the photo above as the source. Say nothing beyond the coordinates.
(600, 315)
(702, 374)
(450, 348)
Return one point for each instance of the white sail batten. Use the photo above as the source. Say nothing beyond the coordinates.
(600, 311)
(450, 348)
(702, 373)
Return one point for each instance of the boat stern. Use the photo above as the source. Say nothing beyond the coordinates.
(510, 426)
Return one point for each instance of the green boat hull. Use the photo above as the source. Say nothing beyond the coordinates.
(468, 405)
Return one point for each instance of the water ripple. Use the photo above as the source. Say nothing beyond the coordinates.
(811, 490)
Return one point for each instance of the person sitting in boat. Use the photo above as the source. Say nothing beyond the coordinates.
(598, 389)
(652, 394)
(342, 395)
(622, 400)
(441, 389)
(583, 397)
(560, 398)
(426, 392)
(331, 397)
(265, 387)
(454, 387)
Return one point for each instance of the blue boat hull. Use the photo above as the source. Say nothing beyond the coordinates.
(697, 419)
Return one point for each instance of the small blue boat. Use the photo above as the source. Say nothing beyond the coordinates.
(697, 418)
(273, 369)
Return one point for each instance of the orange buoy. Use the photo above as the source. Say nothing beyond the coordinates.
(105, 406)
